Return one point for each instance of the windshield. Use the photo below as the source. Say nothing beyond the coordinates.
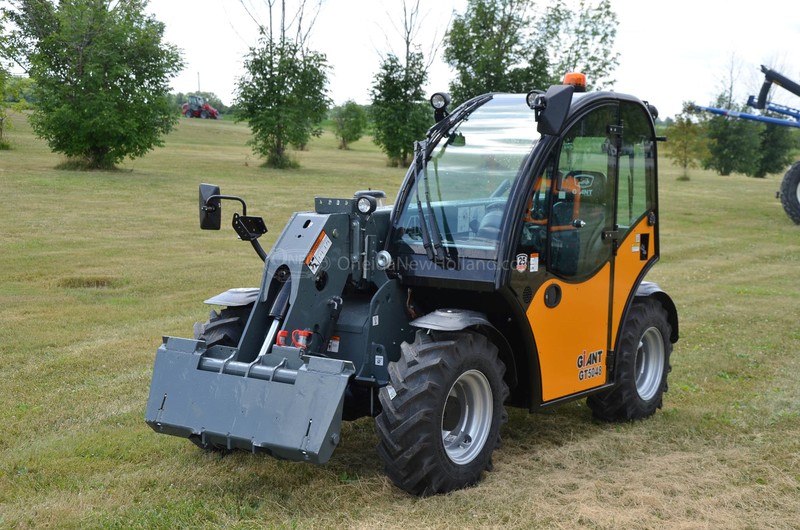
(469, 175)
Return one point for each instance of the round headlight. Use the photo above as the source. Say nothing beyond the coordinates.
(535, 98)
(383, 260)
(365, 205)
(440, 100)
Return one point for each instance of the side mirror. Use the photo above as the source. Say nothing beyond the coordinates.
(551, 108)
(210, 207)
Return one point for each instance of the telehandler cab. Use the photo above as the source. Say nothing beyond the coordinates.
(509, 272)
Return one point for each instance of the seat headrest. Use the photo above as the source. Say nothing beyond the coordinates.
(592, 185)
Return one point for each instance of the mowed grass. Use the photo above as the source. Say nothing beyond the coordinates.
(96, 267)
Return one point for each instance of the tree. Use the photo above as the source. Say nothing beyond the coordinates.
(399, 112)
(283, 95)
(20, 92)
(776, 144)
(487, 48)
(686, 145)
(283, 98)
(733, 144)
(101, 72)
(739, 145)
(349, 123)
(753, 148)
(498, 46)
(579, 41)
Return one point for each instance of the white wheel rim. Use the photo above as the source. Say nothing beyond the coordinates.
(649, 363)
(470, 399)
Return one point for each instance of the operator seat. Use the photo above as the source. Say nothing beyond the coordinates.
(593, 213)
(564, 238)
(489, 227)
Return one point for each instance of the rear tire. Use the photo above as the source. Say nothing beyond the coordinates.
(442, 412)
(224, 328)
(790, 192)
(642, 366)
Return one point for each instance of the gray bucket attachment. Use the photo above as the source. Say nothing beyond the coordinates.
(290, 414)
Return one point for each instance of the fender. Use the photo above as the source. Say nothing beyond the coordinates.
(461, 319)
(648, 289)
(238, 297)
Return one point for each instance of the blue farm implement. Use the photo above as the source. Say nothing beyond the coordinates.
(789, 193)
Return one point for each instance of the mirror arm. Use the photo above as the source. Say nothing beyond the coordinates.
(208, 208)
(259, 249)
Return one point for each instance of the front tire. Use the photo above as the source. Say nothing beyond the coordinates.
(790, 192)
(224, 328)
(642, 366)
(442, 412)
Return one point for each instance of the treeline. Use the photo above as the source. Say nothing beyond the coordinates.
(729, 145)
(88, 63)
(91, 62)
(21, 92)
(350, 121)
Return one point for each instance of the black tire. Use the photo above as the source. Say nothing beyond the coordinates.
(224, 328)
(642, 366)
(204, 114)
(790, 192)
(188, 113)
(442, 412)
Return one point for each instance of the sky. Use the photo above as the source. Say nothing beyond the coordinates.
(671, 51)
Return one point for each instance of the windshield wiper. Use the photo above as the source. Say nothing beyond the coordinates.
(431, 235)
(436, 233)
(419, 162)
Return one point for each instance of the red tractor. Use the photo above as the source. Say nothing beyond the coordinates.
(198, 107)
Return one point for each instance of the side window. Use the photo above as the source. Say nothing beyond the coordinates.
(533, 240)
(636, 166)
(583, 196)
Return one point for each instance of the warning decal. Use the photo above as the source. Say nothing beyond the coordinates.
(534, 262)
(318, 252)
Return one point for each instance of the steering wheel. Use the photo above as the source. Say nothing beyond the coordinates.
(495, 205)
(501, 189)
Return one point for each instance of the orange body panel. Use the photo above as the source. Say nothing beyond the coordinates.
(572, 338)
(628, 266)
(570, 335)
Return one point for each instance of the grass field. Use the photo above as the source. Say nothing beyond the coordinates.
(96, 267)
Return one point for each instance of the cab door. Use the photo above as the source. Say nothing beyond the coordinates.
(636, 230)
(573, 210)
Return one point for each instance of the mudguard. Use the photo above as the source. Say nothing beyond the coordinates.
(646, 289)
(451, 320)
(290, 414)
(238, 297)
